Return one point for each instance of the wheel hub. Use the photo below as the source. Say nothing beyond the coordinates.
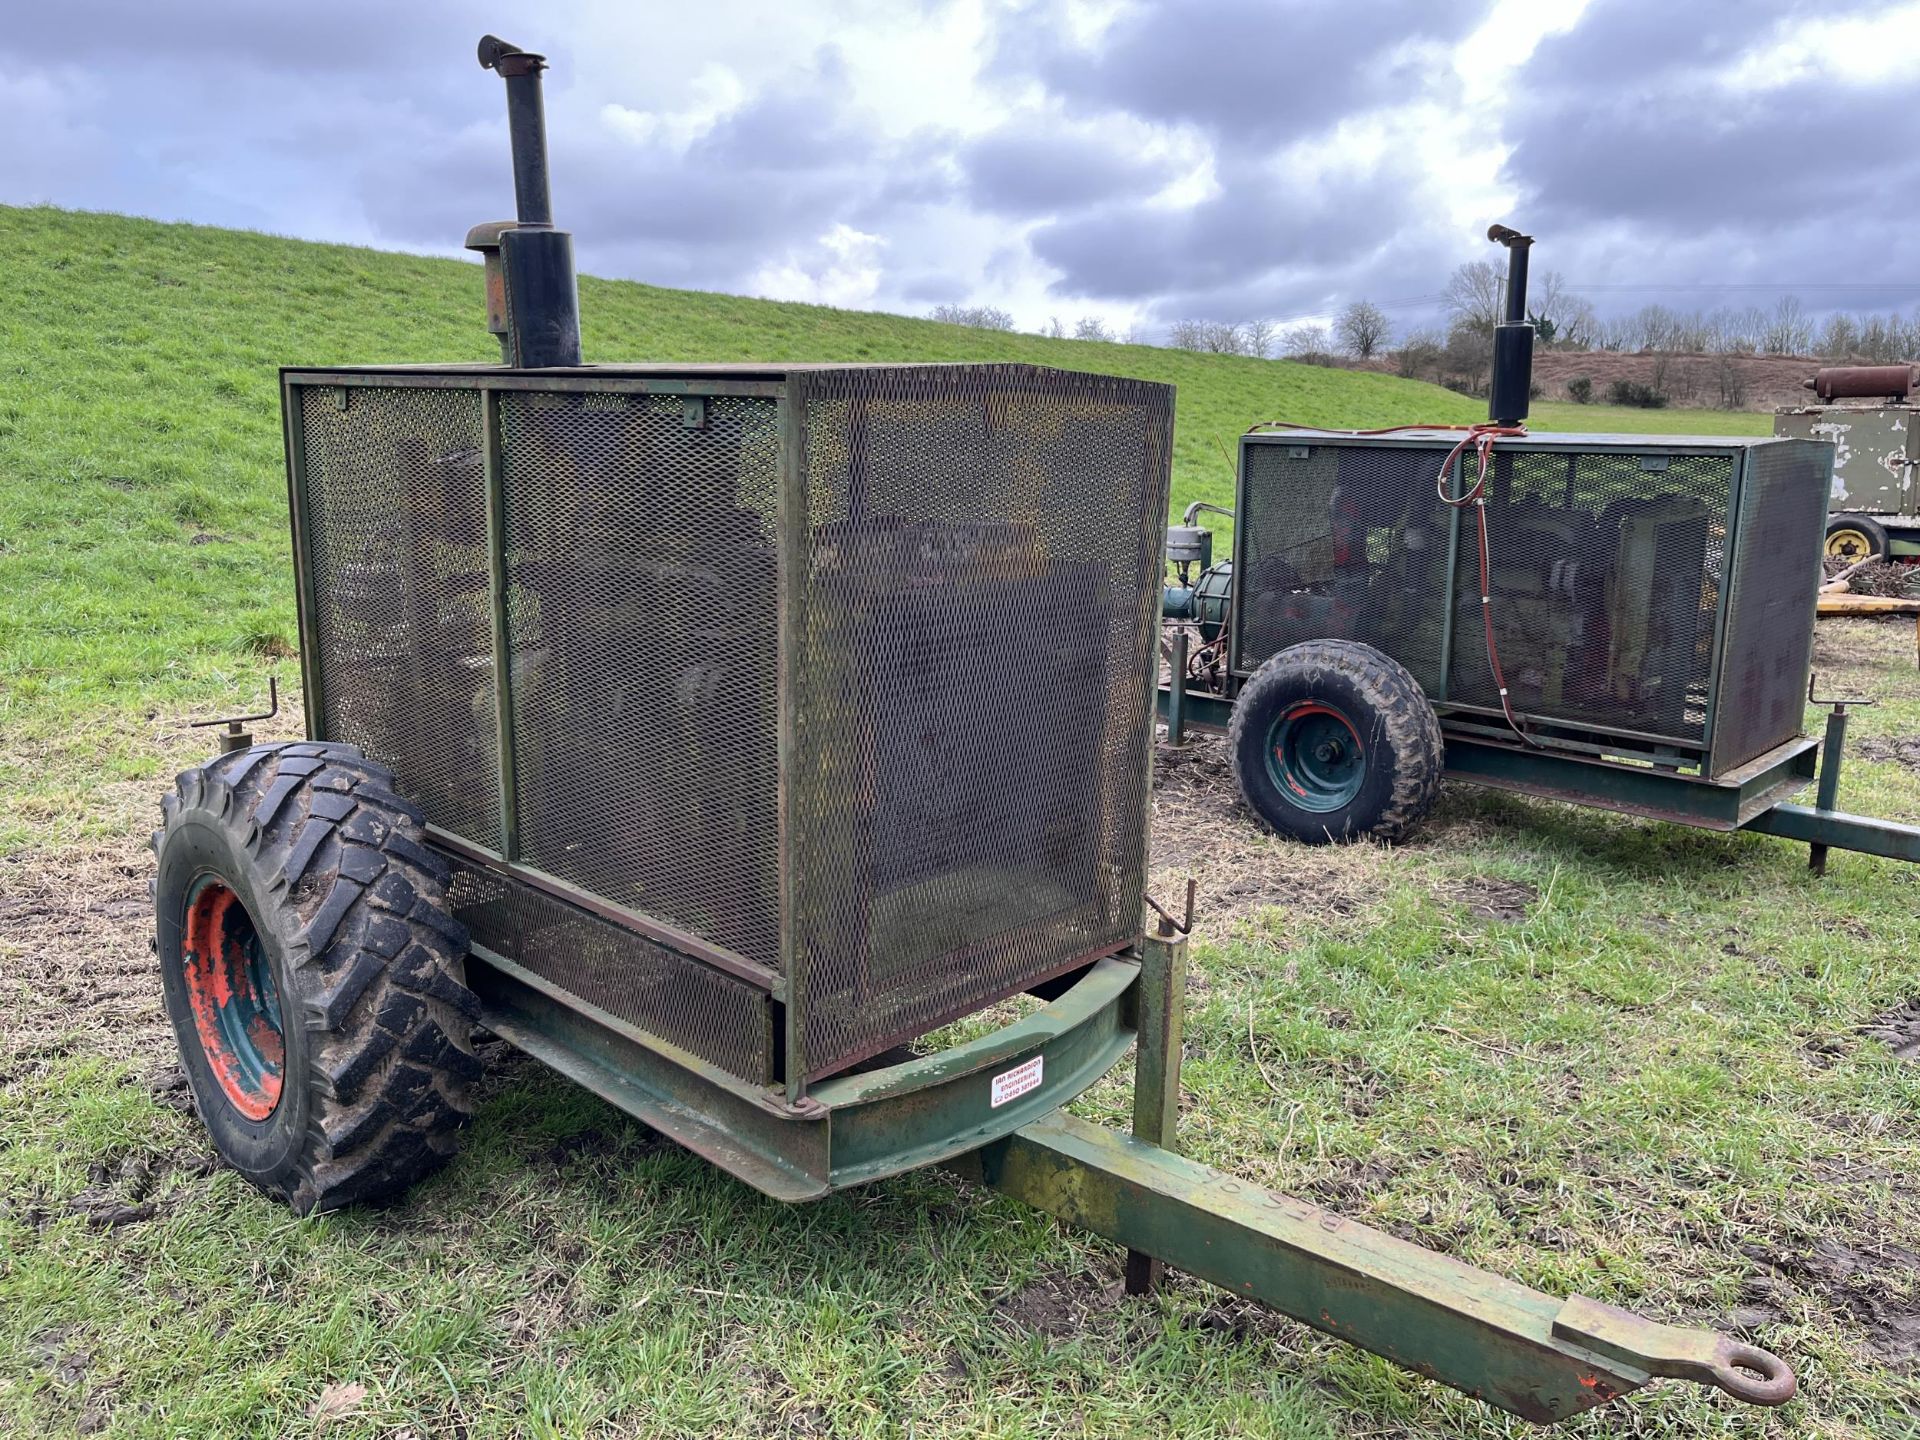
(1315, 757)
(1848, 545)
(236, 1008)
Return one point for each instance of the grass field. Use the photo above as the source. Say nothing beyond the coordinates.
(1624, 420)
(1655, 1066)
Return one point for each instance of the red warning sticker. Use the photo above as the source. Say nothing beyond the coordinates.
(1012, 1084)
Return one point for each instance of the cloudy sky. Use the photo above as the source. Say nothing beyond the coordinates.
(1143, 162)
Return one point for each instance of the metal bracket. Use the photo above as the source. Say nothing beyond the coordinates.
(234, 738)
(1839, 702)
(1169, 925)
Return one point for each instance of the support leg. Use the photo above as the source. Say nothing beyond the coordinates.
(1177, 690)
(1160, 1024)
(1828, 793)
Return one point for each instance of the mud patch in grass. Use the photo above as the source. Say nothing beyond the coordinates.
(1876, 1285)
(1200, 829)
(1058, 1305)
(1898, 1030)
(1488, 898)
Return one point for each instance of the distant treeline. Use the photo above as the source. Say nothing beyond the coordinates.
(1459, 352)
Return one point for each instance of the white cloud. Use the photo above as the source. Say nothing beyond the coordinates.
(716, 92)
(1871, 49)
(842, 267)
(817, 149)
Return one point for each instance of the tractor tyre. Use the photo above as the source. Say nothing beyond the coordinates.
(312, 973)
(1332, 741)
(1855, 537)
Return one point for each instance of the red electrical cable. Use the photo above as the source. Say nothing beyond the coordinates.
(1481, 438)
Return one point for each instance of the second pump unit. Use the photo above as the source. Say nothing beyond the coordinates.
(1637, 601)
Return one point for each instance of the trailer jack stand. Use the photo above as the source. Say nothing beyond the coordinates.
(1823, 827)
(1528, 1353)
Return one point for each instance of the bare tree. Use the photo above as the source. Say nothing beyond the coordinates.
(1651, 328)
(1307, 342)
(1363, 329)
(1788, 330)
(980, 317)
(1473, 295)
(1733, 384)
(1137, 334)
(1187, 335)
(1091, 327)
(1259, 336)
(1691, 333)
(1468, 357)
(1579, 325)
(1840, 337)
(1223, 339)
(1742, 330)
(1419, 355)
(1055, 330)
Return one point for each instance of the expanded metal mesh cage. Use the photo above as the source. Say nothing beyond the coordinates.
(1650, 597)
(785, 712)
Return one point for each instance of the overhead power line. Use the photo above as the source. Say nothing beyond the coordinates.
(1787, 285)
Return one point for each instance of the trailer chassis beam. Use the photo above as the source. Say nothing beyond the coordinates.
(1528, 1353)
(1535, 1356)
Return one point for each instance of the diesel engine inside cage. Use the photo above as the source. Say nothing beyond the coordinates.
(1648, 598)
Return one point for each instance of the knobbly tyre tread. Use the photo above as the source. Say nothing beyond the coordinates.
(358, 902)
(1401, 725)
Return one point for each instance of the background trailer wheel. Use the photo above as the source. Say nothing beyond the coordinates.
(1855, 537)
(312, 974)
(1331, 740)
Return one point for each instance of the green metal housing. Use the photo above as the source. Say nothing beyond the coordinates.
(1876, 466)
(1648, 597)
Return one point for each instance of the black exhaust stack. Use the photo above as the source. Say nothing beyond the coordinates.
(1512, 384)
(533, 302)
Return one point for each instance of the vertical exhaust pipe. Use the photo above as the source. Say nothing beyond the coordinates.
(1512, 384)
(533, 300)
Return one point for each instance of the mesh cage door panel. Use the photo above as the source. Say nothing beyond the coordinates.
(972, 633)
(1760, 700)
(1605, 582)
(394, 511)
(641, 606)
(1342, 542)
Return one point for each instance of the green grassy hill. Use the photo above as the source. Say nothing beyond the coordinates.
(142, 495)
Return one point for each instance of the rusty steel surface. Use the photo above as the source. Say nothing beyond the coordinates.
(394, 508)
(833, 680)
(1863, 382)
(972, 611)
(1766, 648)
